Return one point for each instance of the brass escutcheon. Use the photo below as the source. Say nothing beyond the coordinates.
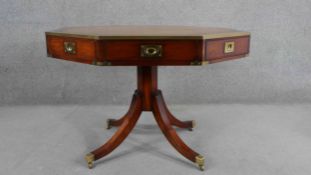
(70, 47)
(150, 50)
(229, 47)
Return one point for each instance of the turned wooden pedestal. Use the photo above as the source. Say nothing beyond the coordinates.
(147, 97)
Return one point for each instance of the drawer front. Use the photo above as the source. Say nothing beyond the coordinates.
(146, 52)
(152, 52)
(73, 49)
(225, 49)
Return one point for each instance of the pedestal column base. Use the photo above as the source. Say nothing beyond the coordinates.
(147, 98)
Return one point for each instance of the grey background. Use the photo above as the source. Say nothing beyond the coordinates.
(277, 71)
(237, 139)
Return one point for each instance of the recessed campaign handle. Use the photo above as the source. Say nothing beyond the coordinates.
(151, 50)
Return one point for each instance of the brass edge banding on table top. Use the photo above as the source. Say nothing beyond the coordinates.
(200, 160)
(205, 37)
(226, 35)
(89, 158)
(198, 63)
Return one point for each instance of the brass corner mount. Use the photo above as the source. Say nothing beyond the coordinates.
(198, 62)
(102, 63)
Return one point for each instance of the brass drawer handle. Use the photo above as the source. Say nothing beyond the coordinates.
(229, 47)
(70, 47)
(150, 50)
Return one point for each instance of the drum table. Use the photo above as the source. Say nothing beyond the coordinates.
(147, 47)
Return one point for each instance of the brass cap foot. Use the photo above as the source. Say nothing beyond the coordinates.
(199, 160)
(89, 158)
(108, 126)
(194, 124)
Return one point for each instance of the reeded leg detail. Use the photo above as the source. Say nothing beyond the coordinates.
(163, 120)
(126, 127)
(190, 124)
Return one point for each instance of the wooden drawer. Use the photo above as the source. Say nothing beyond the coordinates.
(226, 49)
(73, 49)
(147, 45)
(172, 52)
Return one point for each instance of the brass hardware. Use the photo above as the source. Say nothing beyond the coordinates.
(108, 126)
(70, 47)
(199, 160)
(198, 63)
(89, 158)
(102, 63)
(150, 50)
(229, 47)
(194, 124)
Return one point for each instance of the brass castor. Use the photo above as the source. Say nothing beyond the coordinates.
(193, 125)
(199, 160)
(108, 126)
(89, 158)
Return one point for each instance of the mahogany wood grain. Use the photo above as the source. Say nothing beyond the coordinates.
(226, 59)
(85, 49)
(120, 46)
(115, 122)
(172, 50)
(163, 121)
(147, 78)
(147, 84)
(147, 97)
(118, 122)
(180, 45)
(127, 53)
(124, 130)
(215, 48)
(173, 120)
